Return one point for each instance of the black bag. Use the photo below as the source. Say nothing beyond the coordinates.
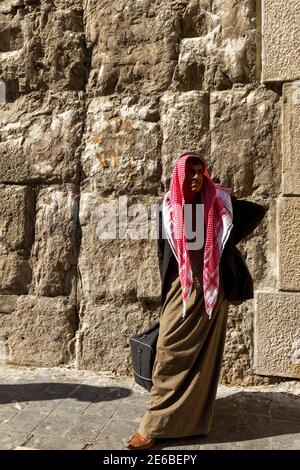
(143, 351)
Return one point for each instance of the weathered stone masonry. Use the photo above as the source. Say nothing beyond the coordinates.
(101, 98)
(277, 321)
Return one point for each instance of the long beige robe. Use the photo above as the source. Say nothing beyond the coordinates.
(187, 365)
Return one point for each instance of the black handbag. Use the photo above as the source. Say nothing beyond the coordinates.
(143, 351)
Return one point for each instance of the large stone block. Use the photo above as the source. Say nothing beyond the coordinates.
(40, 137)
(65, 56)
(291, 139)
(246, 156)
(260, 249)
(54, 253)
(134, 49)
(280, 40)
(40, 330)
(122, 146)
(260, 253)
(238, 351)
(222, 51)
(43, 47)
(122, 264)
(185, 124)
(245, 140)
(105, 329)
(277, 334)
(289, 241)
(8, 304)
(16, 274)
(17, 211)
(236, 17)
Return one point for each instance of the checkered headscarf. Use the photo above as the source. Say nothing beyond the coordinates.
(218, 223)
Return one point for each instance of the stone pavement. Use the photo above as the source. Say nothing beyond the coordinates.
(62, 408)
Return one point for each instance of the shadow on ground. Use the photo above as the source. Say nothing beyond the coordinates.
(246, 416)
(52, 391)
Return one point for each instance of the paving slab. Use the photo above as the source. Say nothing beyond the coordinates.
(46, 442)
(11, 439)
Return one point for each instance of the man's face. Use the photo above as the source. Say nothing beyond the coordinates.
(195, 176)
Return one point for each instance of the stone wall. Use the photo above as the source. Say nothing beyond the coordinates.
(101, 99)
(277, 317)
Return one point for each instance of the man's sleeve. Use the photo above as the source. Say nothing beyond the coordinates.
(246, 217)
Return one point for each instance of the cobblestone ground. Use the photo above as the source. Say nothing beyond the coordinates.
(63, 408)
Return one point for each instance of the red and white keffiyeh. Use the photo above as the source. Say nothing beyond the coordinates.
(218, 223)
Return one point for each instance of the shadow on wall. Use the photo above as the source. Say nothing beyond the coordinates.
(53, 391)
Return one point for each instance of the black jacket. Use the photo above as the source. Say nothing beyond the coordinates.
(237, 280)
